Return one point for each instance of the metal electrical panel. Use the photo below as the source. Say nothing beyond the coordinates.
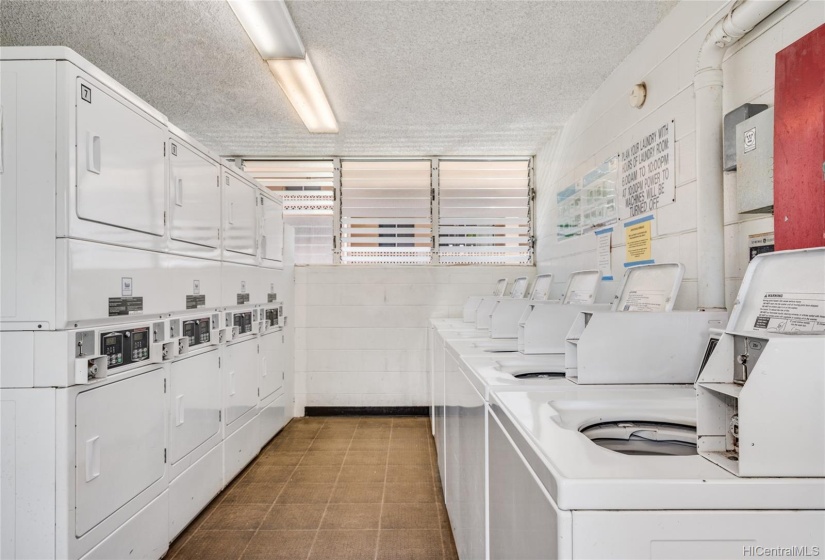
(754, 164)
(732, 119)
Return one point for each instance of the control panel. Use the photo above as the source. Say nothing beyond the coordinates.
(242, 320)
(125, 347)
(197, 331)
(272, 317)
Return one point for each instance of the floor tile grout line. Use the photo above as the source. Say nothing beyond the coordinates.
(436, 494)
(272, 505)
(329, 499)
(383, 492)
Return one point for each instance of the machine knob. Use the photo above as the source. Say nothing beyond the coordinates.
(742, 359)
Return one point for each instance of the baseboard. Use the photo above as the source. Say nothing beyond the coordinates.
(367, 411)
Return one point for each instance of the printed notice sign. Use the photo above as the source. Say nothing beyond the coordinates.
(637, 241)
(790, 313)
(603, 238)
(648, 178)
(645, 300)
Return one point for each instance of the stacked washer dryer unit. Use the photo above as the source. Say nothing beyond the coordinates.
(119, 372)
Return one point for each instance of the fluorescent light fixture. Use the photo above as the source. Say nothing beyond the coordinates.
(297, 78)
(269, 25)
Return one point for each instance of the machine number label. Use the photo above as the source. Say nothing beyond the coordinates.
(195, 300)
(790, 313)
(125, 286)
(242, 299)
(174, 148)
(86, 93)
(125, 306)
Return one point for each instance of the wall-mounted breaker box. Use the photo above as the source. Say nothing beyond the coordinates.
(733, 118)
(754, 164)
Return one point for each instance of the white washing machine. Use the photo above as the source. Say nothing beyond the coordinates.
(615, 472)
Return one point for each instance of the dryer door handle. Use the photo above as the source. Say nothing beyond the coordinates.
(179, 410)
(92, 458)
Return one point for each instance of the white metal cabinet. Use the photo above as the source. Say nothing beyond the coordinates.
(525, 524)
(240, 379)
(273, 363)
(120, 164)
(195, 403)
(119, 445)
(272, 231)
(194, 196)
(239, 217)
(465, 419)
(271, 419)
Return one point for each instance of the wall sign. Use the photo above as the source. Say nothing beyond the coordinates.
(648, 178)
(637, 241)
(603, 253)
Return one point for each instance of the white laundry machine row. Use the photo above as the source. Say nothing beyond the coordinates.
(115, 438)
(108, 210)
(732, 467)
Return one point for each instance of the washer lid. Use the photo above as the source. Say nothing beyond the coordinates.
(501, 287)
(643, 437)
(581, 287)
(651, 287)
(541, 287)
(519, 288)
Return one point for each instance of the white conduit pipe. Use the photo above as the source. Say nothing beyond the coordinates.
(707, 86)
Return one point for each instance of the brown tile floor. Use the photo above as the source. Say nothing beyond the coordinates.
(330, 488)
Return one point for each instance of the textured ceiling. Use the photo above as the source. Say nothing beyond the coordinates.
(404, 78)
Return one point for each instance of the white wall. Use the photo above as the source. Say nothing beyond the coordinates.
(361, 331)
(665, 61)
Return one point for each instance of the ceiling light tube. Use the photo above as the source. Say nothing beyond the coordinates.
(297, 78)
(269, 25)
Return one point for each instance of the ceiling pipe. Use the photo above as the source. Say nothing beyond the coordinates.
(707, 86)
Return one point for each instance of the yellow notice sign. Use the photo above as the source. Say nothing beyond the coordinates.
(637, 241)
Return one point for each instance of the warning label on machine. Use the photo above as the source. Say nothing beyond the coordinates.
(645, 300)
(791, 313)
(578, 296)
(196, 300)
(125, 306)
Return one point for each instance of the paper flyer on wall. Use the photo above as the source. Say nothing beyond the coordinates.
(603, 242)
(637, 238)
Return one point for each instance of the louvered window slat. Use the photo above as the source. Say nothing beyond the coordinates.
(385, 212)
(308, 192)
(484, 212)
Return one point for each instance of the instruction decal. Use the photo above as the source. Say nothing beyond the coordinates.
(271, 297)
(637, 239)
(760, 243)
(648, 178)
(791, 313)
(125, 306)
(645, 300)
(242, 298)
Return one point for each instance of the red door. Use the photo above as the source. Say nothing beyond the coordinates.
(799, 143)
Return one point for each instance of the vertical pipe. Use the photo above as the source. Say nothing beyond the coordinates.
(707, 86)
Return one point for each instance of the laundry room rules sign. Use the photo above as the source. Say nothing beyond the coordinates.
(648, 177)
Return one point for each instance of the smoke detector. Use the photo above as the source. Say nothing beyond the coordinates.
(638, 95)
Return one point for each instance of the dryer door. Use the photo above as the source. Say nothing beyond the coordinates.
(119, 445)
(241, 379)
(195, 205)
(120, 163)
(196, 403)
(239, 215)
(272, 235)
(272, 363)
